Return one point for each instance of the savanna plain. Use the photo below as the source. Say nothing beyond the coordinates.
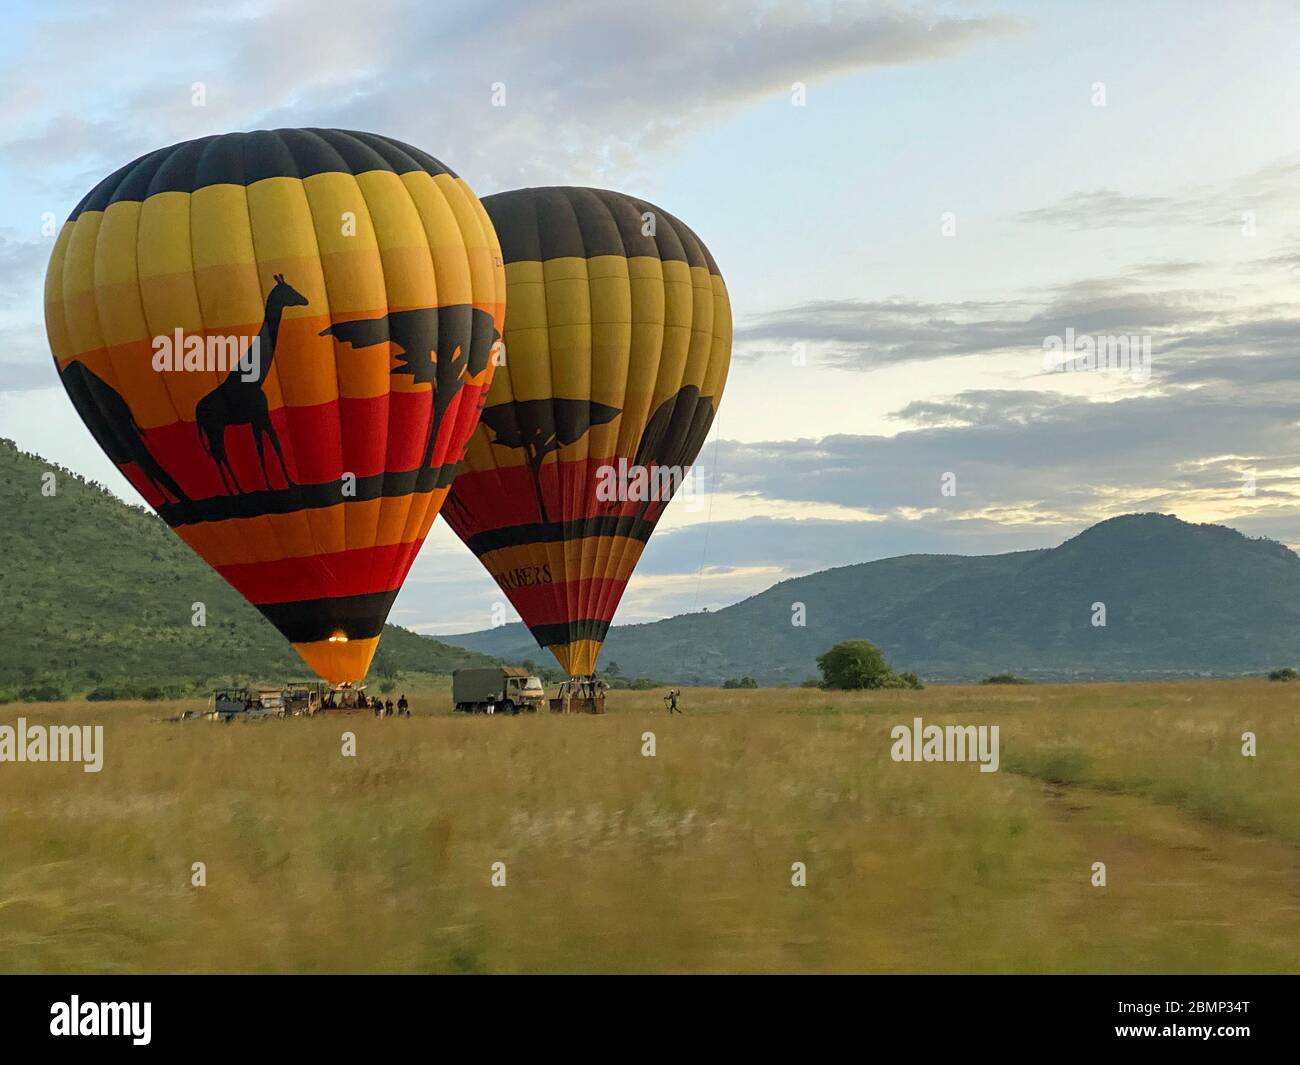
(615, 861)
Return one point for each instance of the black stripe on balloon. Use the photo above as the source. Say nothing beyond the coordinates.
(244, 158)
(559, 531)
(358, 617)
(569, 632)
(389, 485)
(538, 224)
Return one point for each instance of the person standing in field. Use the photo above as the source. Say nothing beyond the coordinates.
(403, 707)
(388, 708)
(671, 700)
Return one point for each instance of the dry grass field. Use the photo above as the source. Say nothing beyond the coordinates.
(681, 862)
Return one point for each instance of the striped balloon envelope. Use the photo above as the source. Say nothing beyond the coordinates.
(282, 339)
(617, 342)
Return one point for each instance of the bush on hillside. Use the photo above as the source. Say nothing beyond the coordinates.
(43, 691)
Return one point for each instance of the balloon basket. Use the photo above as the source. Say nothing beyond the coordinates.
(580, 695)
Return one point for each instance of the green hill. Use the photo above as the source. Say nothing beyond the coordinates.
(1181, 600)
(93, 591)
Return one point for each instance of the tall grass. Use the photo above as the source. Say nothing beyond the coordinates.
(678, 863)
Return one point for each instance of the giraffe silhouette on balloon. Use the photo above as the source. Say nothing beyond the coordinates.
(240, 401)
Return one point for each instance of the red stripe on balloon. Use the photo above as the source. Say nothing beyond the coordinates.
(556, 604)
(342, 573)
(506, 496)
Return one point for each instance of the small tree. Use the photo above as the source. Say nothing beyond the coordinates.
(852, 665)
(386, 666)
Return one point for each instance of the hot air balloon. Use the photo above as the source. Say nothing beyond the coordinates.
(617, 341)
(282, 339)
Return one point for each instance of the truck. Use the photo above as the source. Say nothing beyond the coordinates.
(496, 690)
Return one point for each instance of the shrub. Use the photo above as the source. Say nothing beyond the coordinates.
(1285, 673)
(901, 680)
(103, 693)
(48, 691)
(741, 682)
(852, 665)
(1005, 678)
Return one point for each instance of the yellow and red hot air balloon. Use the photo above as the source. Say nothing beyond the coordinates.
(307, 474)
(617, 342)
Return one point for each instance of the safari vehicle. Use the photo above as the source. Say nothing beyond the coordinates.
(246, 704)
(303, 698)
(496, 690)
(580, 695)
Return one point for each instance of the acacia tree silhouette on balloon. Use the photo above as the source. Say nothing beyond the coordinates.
(428, 350)
(540, 426)
(672, 437)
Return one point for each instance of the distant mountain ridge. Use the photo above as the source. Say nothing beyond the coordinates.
(93, 590)
(1180, 600)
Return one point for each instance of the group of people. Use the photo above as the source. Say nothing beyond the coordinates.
(384, 707)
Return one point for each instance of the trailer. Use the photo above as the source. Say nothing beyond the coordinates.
(496, 690)
(246, 704)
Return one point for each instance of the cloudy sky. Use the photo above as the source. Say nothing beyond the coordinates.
(959, 183)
